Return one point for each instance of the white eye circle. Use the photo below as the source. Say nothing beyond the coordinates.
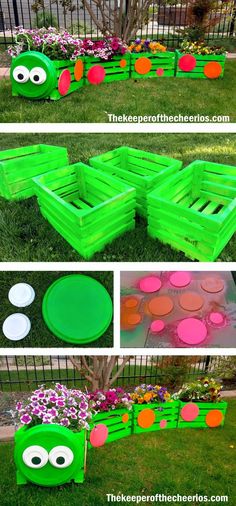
(35, 457)
(21, 74)
(38, 75)
(61, 456)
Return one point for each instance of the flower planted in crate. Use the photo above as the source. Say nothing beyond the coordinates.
(151, 59)
(201, 404)
(106, 60)
(195, 210)
(153, 409)
(46, 64)
(197, 60)
(50, 448)
(114, 412)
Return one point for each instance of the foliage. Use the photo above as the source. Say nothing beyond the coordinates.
(67, 5)
(200, 18)
(55, 45)
(59, 405)
(174, 370)
(146, 45)
(200, 48)
(114, 398)
(145, 394)
(201, 390)
(226, 368)
(100, 371)
(45, 19)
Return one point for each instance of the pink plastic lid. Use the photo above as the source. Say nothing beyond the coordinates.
(150, 284)
(216, 318)
(180, 279)
(192, 331)
(157, 326)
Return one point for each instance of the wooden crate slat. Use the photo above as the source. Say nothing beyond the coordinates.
(164, 60)
(201, 61)
(204, 408)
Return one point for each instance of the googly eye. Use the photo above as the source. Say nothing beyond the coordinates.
(61, 456)
(35, 457)
(21, 74)
(38, 75)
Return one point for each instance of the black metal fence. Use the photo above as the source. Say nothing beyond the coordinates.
(21, 373)
(163, 20)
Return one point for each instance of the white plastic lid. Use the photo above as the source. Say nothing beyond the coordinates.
(16, 326)
(21, 295)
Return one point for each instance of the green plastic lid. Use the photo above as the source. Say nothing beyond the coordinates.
(77, 309)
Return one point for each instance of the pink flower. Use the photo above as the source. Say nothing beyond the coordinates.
(26, 419)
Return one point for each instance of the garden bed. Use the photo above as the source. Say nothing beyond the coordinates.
(205, 66)
(18, 166)
(118, 421)
(87, 207)
(155, 416)
(195, 210)
(204, 414)
(144, 65)
(142, 170)
(116, 69)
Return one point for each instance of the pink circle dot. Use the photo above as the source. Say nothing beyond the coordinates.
(160, 72)
(64, 82)
(150, 284)
(187, 63)
(180, 279)
(192, 331)
(163, 424)
(157, 326)
(98, 435)
(189, 412)
(216, 318)
(96, 74)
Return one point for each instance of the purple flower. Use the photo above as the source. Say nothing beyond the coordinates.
(65, 422)
(26, 419)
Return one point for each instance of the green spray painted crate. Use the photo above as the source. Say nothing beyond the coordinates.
(201, 62)
(51, 76)
(204, 409)
(162, 65)
(168, 411)
(18, 167)
(113, 419)
(40, 464)
(142, 170)
(87, 207)
(117, 69)
(195, 210)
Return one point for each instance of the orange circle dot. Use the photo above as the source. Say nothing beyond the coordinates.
(212, 284)
(131, 302)
(79, 70)
(146, 418)
(134, 319)
(125, 418)
(213, 70)
(143, 65)
(160, 306)
(191, 301)
(214, 418)
(123, 63)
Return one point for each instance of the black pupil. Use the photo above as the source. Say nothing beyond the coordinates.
(36, 78)
(20, 76)
(60, 460)
(36, 460)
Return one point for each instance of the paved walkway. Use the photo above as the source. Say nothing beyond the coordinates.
(7, 432)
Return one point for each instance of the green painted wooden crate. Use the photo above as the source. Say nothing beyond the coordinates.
(195, 210)
(87, 207)
(142, 170)
(18, 167)
(117, 69)
(168, 411)
(201, 62)
(204, 408)
(117, 428)
(75, 85)
(162, 64)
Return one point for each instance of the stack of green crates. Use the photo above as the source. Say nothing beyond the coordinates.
(87, 207)
(18, 167)
(195, 210)
(142, 170)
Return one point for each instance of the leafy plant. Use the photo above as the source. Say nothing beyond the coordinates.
(201, 390)
(45, 19)
(114, 398)
(145, 394)
(200, 48)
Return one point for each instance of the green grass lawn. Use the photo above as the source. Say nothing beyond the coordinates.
(39, 335)
(178, 461)
(170, 96)
(26, 236)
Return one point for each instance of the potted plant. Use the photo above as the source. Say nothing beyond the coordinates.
(113, 408)
(106, 60)
(151, 59)
(46, 64)
(201, 404)
(154, 409)
(198, 60)
(50, 447)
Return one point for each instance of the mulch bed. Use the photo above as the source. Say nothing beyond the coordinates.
(8, 401)
(5, 59)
